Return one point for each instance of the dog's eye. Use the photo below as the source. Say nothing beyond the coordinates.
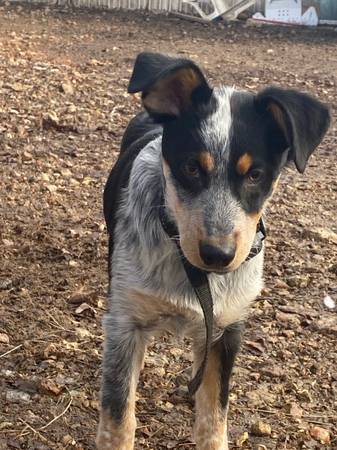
(254, 176)
(191, 169)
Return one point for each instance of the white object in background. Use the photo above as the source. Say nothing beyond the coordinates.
(289, 11)
(310, 17)
(227, 9)
(329, 303)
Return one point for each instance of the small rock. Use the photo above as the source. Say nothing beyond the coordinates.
(50, 120)
(288, 318)
(321, 234)
(45, 177)
(242, 439)
(51, 188)
(326, 325)
(159, 371)
(299, 281)
(83, 307)
(3, 426)
(68, 440)
(16, 87)
(260, 428)
(329, 302)
(281, 284)
(67, 88)
(13, 396)
(81, 296)
(66, 173)
(273, 372)
(320, 434)
(295, 410)
(333, 268)
(73, 263)
(4, 338)
(7, 242)
(94, 404)
(50, 387)
(5, 284)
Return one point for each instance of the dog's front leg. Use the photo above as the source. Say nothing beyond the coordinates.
(212, 397)
(123, 357)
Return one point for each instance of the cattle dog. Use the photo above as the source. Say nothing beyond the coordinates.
(210, 157)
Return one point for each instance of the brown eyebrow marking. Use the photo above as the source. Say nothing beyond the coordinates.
(244, 164)
(206, 161)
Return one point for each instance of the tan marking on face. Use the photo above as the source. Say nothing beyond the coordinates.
(172, 94)
(190, 222)
(242, 237)
(192, 231)
(210, 430)
(275, 185)
(206, 161)
(244, 164)
(246, 228)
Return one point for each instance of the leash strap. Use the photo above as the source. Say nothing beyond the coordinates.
(199, 281)
(200, 284)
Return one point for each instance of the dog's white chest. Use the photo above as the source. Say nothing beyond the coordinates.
(233, 294)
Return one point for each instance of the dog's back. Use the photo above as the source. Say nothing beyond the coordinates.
(140, 131)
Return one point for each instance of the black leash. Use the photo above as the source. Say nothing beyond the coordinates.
(199, 281)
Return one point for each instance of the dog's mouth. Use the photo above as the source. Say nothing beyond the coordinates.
(195, 259)
(209, 269)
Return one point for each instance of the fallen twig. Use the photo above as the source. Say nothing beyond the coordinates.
(31, 429)
(57, 417)
(10, 351)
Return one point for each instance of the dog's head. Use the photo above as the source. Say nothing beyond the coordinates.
(223, 151)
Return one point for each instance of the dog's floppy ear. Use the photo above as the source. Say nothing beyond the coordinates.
(170, 86)
(302, 119)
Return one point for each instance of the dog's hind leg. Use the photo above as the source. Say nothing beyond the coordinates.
(123, 357)
(210, 429)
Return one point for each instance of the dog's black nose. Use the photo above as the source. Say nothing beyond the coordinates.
(216, 256)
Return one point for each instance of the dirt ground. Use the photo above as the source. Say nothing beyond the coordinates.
(63, 109)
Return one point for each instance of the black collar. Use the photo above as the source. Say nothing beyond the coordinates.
(199, 281)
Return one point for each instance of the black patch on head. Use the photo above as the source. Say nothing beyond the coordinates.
(302, 119)
(182, 143)
(258, 135)
(170, 86)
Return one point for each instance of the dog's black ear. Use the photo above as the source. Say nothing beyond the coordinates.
(302, 119)
(170, 86)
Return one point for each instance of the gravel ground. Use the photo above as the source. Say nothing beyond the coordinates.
(63, 109)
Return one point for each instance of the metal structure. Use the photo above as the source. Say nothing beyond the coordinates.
(203, 9)
(228, 9)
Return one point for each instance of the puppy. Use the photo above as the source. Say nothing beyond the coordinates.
(207, 160)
